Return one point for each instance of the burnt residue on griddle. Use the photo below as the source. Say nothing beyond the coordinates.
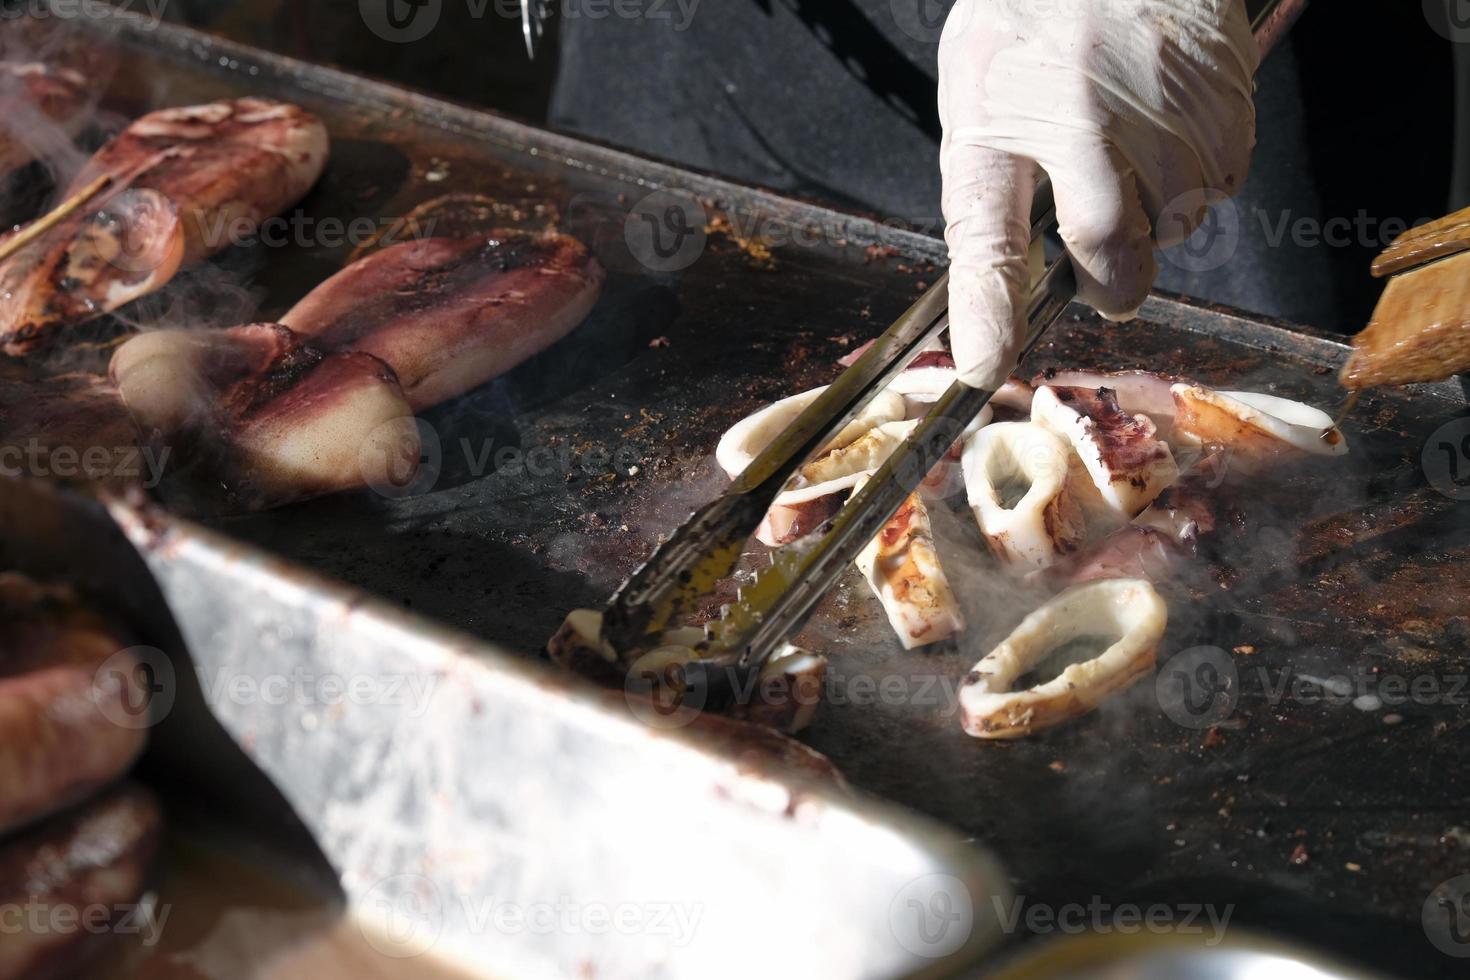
(1338, 558)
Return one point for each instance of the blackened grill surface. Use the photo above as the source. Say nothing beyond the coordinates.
(552, 484)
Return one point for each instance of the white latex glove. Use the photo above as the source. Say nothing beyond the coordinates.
(1135, 108)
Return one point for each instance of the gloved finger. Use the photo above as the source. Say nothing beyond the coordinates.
(1103, 224)
(1176, 216)
(1185, 179)
(987, 211)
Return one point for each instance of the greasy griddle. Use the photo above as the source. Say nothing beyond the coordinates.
(1342, 566)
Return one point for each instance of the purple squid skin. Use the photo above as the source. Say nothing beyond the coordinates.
(449, 314)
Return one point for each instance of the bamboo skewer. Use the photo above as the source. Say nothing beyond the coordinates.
(55, 217)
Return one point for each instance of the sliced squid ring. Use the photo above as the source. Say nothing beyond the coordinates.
(1016, 477)
(1128, 609)
(747, 438)
(1258, 429)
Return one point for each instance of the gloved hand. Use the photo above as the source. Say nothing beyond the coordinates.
(1134, 108)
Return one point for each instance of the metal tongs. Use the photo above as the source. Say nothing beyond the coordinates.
(534, 14)
(706, 548)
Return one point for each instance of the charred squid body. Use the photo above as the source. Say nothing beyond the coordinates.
(1127, 614)
(93, 263)
(97, 856)
(36, 96)
(449, 314)
(1017, 480)
(269, 416)
(1259, 430)
(187, 183)
(1119, 464)
(783, 696)
(902, 567)
(67, 692)
(226, 166)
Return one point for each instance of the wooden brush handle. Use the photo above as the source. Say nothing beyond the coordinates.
(1449, 235)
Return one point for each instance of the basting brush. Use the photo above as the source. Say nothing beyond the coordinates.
(1420, 330)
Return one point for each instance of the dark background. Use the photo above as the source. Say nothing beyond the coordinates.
(1357, 117)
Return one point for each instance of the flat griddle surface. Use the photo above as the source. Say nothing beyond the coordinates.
(550, 485)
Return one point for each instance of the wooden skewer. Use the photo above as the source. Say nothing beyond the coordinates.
(55, 217)
(1342, 413)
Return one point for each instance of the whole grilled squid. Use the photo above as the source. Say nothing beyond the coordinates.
(72, 841)
(449, 314)
(186, 183)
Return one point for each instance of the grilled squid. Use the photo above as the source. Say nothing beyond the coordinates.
(1133, 551)
(74, 426)
(1017, 480)
(902, 567)
(927, 376)
(820, 491)
(1182, 513)
(1137, 392)
(35, 100)
(187, 183)
(1125, 617)
(67, 690)
(784, 695)
(1119, 464)
(270, 417)
(1259, 430)
(747, 438)
(449, 314)
(86, 870)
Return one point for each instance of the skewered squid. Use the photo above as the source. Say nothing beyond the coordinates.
(187, 183)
